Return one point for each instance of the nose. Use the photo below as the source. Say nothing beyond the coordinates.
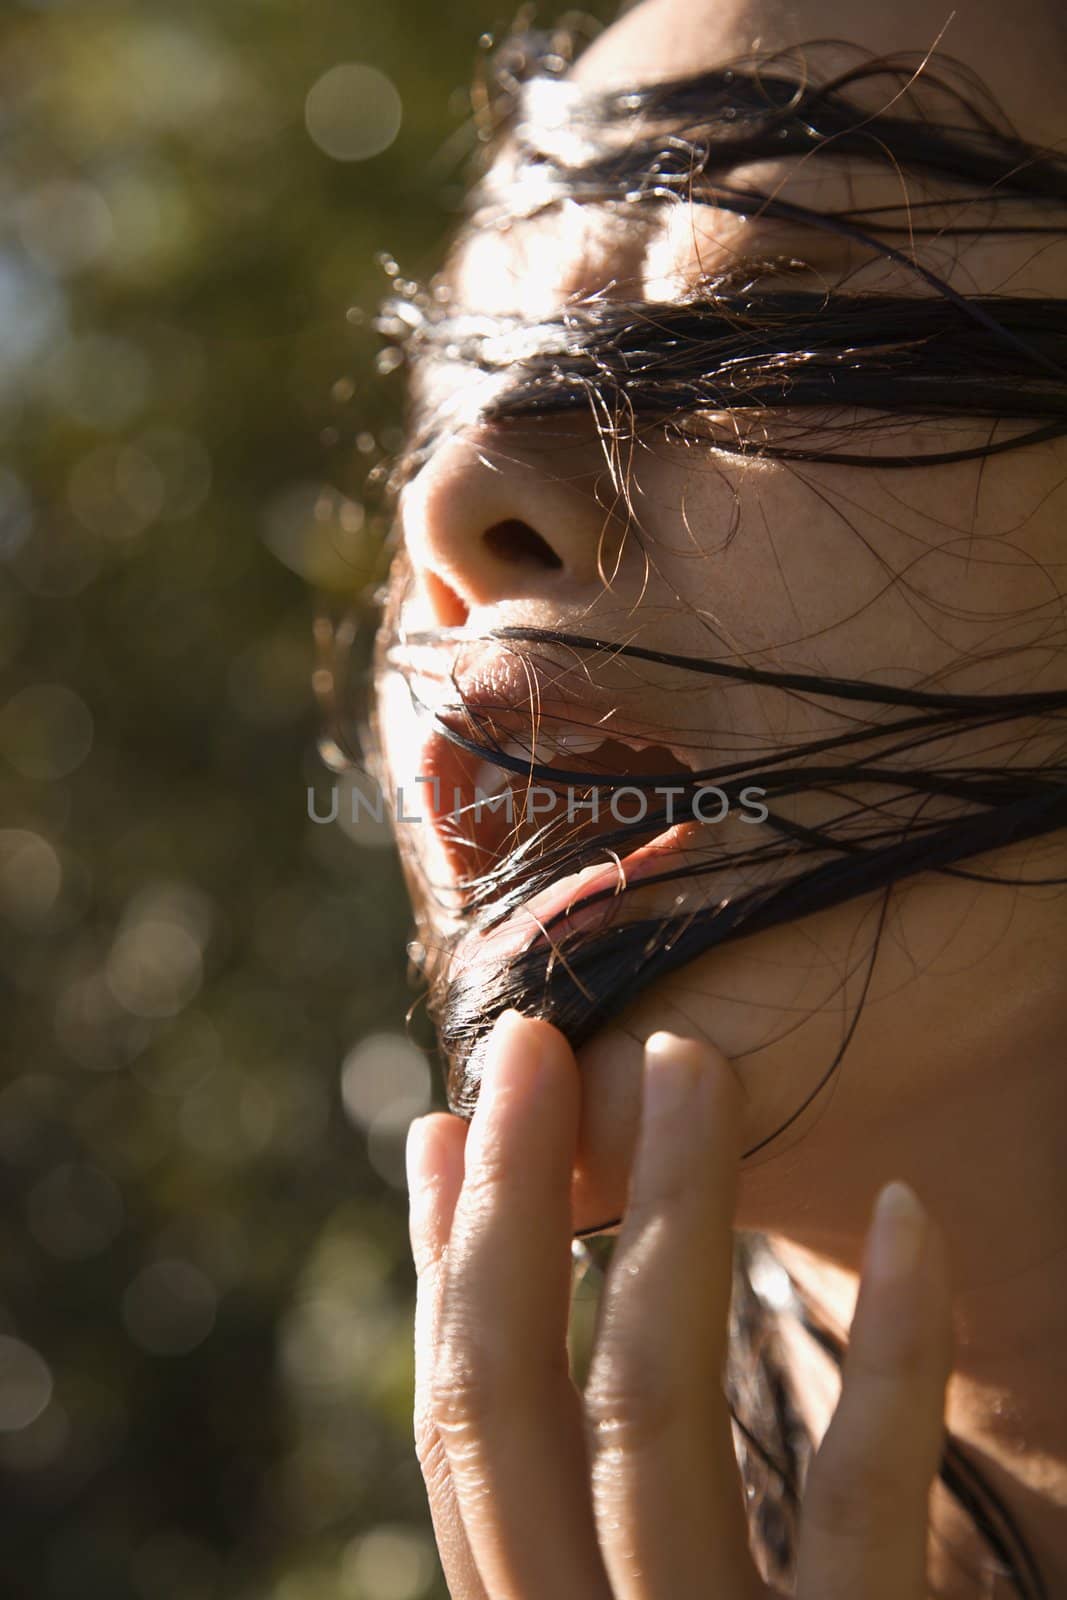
(501, 515)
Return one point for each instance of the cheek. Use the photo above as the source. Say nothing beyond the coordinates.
(967, 981)
(777, 1005)
(860, 573)
(759, 559)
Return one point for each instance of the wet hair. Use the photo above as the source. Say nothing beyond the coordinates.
(761, 359)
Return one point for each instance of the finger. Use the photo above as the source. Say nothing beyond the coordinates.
(666, 1487)
(435, 1149)
(503, 1399)
(866, 1508)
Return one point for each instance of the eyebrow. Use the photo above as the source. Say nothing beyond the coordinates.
(716, 355)
(733, 114)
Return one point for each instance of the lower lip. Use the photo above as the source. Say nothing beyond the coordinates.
(559, 898)
(569, 898)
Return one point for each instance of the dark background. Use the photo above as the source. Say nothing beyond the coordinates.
(205, 1292)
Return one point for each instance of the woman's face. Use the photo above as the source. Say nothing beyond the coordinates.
(948, 577)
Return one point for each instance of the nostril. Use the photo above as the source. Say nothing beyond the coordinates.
(520, 546)
(448, 608)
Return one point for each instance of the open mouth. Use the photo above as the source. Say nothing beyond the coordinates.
(502, 812)
(544, 798)
(554, 821)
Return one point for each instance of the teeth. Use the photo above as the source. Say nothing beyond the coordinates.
(549, 746)
(580, 744)
(490, 779)
(539, 751)
(545, 748)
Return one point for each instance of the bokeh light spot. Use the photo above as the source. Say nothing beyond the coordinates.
(361, 811)
(40, 1444)
(385, 1074)
(116, 491)
(169, 1308)
(353, 112)
(154, 969)
(391, 1562)
(65, 225)
(46, 731)
(322, 534)
(99, 379)
(25, 1384)
(183, 467)
(32, 314)
(16, 514)
(30, 876)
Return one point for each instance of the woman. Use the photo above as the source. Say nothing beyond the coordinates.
(725, 650)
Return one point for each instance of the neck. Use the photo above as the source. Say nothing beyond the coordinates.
(984, 1149)
(1006, 1407)
(1007, 1401)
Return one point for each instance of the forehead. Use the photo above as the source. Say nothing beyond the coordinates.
(1018, 52)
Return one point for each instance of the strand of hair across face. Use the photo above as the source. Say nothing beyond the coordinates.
(759, 358)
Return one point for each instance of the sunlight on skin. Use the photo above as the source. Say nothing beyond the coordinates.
(954, 1078)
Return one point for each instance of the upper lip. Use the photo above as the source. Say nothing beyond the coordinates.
(536, 708)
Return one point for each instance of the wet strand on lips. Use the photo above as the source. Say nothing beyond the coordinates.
(737, 366)
(867, 844)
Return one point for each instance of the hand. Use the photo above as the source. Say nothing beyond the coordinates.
(630, 1490)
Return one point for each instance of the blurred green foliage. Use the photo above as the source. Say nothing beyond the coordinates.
(205, 1293)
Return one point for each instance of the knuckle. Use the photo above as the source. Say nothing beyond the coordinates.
(491, 1172)
(430, 1451)
(472, 1384)
(463, 1395)
(482, 1202)
(629, 1407)
(427, 1257)
(633, 1394)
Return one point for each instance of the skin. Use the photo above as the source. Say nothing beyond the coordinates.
(635, 1476)
(953, 1081)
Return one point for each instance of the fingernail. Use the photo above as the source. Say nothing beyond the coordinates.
(671, 1076)
(897, 1232)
